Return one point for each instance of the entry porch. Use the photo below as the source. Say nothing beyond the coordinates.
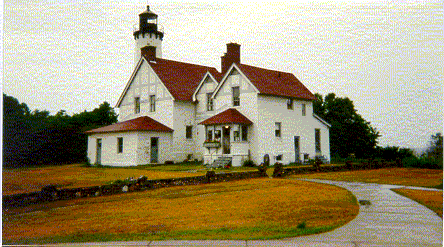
(226, 135)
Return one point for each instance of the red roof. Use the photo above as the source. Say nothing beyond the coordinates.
(229, 116)
(274, 82)
(137, 124)
(181, 79)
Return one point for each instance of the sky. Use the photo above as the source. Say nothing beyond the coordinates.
(386, 56)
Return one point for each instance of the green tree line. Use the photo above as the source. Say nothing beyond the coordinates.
(352, 135)
(38, 138)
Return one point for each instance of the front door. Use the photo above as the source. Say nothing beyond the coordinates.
(99, 151)
(226, 140)
(296, 149)
(154, 149)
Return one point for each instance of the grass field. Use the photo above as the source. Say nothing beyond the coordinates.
(69, 176)
(398, 176)
(431, 199)
(247, 209)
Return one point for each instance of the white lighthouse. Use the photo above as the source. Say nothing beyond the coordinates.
(148, 33)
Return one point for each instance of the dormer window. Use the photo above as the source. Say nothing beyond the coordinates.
(137, 105)
(236, 94)
(209, 102)
(152, 103)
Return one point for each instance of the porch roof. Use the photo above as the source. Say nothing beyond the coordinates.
(226, 117)
(138, 124)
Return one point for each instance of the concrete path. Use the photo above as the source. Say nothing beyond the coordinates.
(389, 220)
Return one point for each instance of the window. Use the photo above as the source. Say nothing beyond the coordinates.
(279, 157)
(236, 135)
(209, 135)
(303, 109)
(290, 104)
(119, 145)
(236, 94)
(318, 140)
(152, 103)
(217, 135)
(209, 102)
(277, 130)
(189, 132)
(244, 133)
(136, 105)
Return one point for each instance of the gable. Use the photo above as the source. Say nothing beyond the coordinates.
(143, 83)
(234, 78)
(207, 85)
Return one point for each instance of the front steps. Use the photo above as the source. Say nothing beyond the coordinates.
(221, 162)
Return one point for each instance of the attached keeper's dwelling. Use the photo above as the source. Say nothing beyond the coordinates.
(176, 111)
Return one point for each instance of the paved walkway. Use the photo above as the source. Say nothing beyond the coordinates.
(389, 220)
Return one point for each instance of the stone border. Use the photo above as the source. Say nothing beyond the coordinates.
(53, 194)
(50, 193)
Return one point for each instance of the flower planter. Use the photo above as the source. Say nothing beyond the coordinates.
(212, 144)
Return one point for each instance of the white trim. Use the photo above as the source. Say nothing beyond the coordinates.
(202, 82)
(129, 82)
(136, 69)
(226, 76)
(321, 120)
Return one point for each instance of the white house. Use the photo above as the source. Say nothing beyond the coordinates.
(176, 111)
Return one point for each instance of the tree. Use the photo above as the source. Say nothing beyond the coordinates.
(349, 132)
(38, 138)
(435, 151)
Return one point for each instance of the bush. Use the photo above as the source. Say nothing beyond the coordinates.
(278, 170)
(422, 162)
(302, 225)
(248, 163)
(87, 163)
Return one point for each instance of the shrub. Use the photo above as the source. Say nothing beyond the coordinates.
(248, 163)
(98, 165)
(278, 169)
(422, 162)
(87, 163)
(228, 166)
(302, 225)
(410, 162)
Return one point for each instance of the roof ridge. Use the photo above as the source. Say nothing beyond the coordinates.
(193, 64)
(256, 67)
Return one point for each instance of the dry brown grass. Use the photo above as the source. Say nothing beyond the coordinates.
(431, 199)
(247, 209)
(70, 176)
(398, 176)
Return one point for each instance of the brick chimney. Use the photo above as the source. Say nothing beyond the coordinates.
(231, 56)
(149, 52)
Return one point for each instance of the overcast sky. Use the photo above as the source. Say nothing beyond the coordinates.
(386, 56)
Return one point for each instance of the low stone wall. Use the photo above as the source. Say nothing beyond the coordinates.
(53, 194)
(376, 164)
(45, 195)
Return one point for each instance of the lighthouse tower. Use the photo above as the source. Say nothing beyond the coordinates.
(148, 33)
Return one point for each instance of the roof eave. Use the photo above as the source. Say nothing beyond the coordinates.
(322, 120)
(278, 95)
